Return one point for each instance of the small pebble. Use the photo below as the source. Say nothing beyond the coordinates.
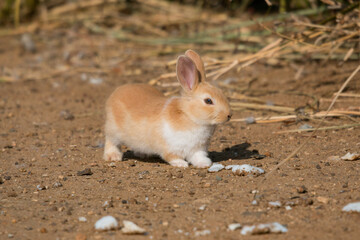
(132, 163)
(244, 169)
(57, 185)
(86, 171)
(40, 187)
(275, 204)
(67, 115)
(106, 223)
(352, 207)
(216, 167)
(250, 120)
(274, 227)
(305, 126)
(132, 228)
(202, 207)
(234, 226)
(350, 157)
(301, 189)
(82, 219)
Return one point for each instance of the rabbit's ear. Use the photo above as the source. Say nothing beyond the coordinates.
(198, 63)
(187, 74)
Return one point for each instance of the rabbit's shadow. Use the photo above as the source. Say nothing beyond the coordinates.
(239, 151)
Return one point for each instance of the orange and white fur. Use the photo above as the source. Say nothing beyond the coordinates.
(177, 129)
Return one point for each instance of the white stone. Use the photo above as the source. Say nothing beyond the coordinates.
(352, 207)
(234, 226)
(106, 223)
(245, 168)
(82, 219)
(216, 167)
(275, 204)
(274, 227)
(132, 228)
(288, 208)
(350, 156)
(202, 207)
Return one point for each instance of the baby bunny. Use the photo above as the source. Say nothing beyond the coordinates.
(177, 129)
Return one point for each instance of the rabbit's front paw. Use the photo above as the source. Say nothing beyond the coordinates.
(200, 160)
(113, 156)
(179, 163)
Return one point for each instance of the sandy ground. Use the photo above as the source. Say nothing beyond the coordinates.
(51, 127)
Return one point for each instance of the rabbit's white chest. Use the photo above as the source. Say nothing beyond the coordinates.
(185, 143)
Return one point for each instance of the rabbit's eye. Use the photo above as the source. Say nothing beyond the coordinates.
(208, 101)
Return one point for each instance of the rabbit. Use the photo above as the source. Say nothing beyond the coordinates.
(177, 129)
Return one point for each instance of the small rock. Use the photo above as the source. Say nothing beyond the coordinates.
(86, 171)
(288, 208)
(202, 233)
(10, 235)
(216, 167)
(106, 223)
(350, 157)
(352, 207)
(132, 163)
(275, 204)
(305, 126)
(254, 202)
(202, 207)
(301, 189)
(234, 226)
(274, 227)
(324, 200)
(245, 169)
(132, 228)
(250, 120)
(108, 204)
(67, 115)
(40, 187)
(43, 230)
(57, 185)
(7, 178)
(112, 164)
(218, 178)
(1, 180)
(82, 219)
(258, 156)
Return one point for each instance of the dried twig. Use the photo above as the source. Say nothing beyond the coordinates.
(319, 129)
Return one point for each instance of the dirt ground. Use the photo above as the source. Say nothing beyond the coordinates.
(51, 127)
